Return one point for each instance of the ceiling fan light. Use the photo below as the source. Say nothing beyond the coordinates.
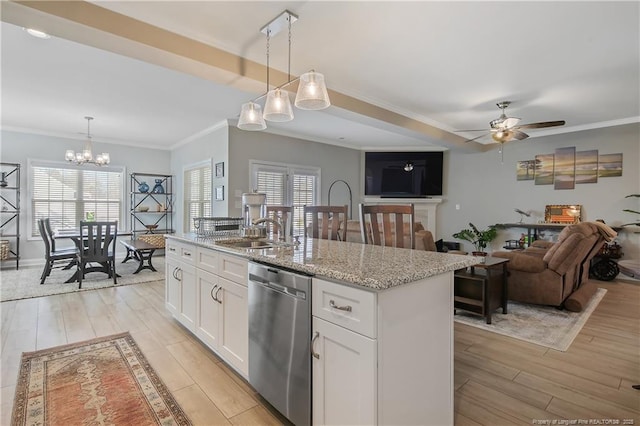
(501, 136)
(312, 92)
(251, 117)
(278, 106)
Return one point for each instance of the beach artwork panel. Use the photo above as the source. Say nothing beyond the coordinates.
(610, 165)
(564, 176)
(587, 166)
(544, 169)
(525, 170)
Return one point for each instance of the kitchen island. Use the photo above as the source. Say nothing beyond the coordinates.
(387, 359)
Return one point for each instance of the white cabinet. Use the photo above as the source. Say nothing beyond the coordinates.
(344, 376)
(180, 282)
(233, 328)
(208, 294)
(208, 317)
(383, 357)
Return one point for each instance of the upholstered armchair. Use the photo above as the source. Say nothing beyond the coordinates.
(547, 274)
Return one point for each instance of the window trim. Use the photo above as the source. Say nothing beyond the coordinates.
(290, 169)
(185, 169)
(33, 162)
(313, 170)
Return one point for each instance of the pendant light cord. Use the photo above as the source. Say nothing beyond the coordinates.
(268, 40)
(289, 59)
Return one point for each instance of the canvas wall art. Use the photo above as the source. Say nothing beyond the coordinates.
(564, 168)
(526, 170)
(610, 165)
(544, 169)
(587, 166)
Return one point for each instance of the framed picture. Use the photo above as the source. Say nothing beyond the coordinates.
(220, 169)
(220, 192)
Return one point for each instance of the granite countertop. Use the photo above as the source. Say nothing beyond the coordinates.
(365, 265)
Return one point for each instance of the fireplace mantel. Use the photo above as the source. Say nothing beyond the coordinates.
(425, 209)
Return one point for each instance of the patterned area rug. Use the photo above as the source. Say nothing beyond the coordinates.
(25, 282)
(542, 325)
(98, 382)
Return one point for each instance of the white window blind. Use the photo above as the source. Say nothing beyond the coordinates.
(287, 185)
(66, 194)
(197, 194)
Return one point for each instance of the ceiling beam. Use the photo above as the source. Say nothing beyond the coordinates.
(95, 26)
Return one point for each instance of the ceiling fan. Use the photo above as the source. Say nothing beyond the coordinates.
(505, 129)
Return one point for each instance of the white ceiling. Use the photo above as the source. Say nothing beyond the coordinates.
(444, 64)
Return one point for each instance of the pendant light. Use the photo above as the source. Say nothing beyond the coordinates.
(278, 105)
(312, 92)
(311, 95)
(251, 117)
(86, 155)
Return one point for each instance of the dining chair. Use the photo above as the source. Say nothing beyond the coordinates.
(326, 222)
(283, 215)
(53, 257)
(99, 246)
(384, 225)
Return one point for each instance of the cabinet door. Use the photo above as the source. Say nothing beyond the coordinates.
(233, 341)
(344, 376)
(208, 315)
(172, 285)
(188, 296)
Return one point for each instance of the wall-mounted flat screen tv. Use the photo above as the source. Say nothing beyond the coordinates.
(403, 174)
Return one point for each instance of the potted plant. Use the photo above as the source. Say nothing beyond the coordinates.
(478, 238)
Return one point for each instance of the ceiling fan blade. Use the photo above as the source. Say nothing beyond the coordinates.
(470, 130)
(542, 124)
(519, 135)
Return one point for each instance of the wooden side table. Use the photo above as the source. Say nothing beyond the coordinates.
(482, 288)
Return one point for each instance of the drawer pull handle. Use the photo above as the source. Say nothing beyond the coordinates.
(333, 305)
(216, 298)
(313, 342)
(187, 253)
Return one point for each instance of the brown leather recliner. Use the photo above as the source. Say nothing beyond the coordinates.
(547, 274)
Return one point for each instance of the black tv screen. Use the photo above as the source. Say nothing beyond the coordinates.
(403, 174)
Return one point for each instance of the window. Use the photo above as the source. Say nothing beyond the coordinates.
(67, 194)
(286, 185)
(197, 193)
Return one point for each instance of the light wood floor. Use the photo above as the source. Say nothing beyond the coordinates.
(498, 380)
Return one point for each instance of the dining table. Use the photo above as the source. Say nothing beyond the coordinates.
(75, 235)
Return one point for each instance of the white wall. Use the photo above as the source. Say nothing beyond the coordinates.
(213, 146)
(335, 163)
(19, 147)
(487, 191)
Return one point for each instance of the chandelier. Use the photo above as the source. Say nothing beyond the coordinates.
(312, 91)
(86, 155)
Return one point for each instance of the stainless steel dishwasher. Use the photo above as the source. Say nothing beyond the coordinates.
(280, 338)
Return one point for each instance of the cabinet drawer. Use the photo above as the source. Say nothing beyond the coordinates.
(207, 259)
(172, 248)
(233, 268)
(184, 252)
(345, 306)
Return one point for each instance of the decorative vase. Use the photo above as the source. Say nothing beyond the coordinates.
(143, 187)
(158, 189)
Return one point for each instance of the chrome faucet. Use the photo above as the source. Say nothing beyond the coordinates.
(279, 225)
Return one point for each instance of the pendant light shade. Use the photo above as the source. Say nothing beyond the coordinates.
(251, 117)
(312, 92)
(278, 106)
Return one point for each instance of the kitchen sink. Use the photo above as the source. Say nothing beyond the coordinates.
(248, 244)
